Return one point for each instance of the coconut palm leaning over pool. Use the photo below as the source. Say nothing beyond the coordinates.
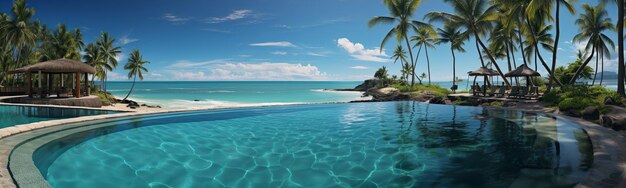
(239, 94)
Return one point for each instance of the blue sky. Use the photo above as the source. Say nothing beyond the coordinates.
(263, 39)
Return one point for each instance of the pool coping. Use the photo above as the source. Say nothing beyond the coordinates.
(607, 169)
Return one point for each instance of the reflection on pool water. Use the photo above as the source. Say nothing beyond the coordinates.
(16, 115)
(396, 144)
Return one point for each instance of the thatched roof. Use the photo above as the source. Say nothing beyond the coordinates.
(483, 71)
(58, 66)
(522, 71)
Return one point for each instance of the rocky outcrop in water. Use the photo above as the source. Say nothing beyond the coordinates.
(368, 84)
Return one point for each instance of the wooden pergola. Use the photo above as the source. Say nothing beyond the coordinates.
(58, 67)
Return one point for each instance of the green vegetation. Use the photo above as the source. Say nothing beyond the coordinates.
(580, 97)
(26, 41)
(105, 98)
(434, 89)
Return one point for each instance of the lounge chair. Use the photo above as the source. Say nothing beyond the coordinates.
(514, 92)
(492, 91)
(501, 91)
(523, 93)
(476, 90)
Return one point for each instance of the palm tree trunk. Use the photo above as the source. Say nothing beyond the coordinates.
(602, 73)
(620, 51)
(480, 54)
(557, 36)
(428, 62)
(131, 88)
(508, 56)
(492, 60)
(550, 72)
(521, 43)
(453, 70)
(582, 67)
(419, 52)
(408, 45)
(596, 70)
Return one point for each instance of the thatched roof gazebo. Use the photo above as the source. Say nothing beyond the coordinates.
(522, 71)
(60, 67)
(483, 71)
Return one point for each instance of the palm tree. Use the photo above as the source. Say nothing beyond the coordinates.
(135, 67)
(621, 69)
(94, 58)
(542, 38)
(457, 40)
(60, 44)
(535, 7)
(426, 40)
(402, 12)
(406, 71)
(400, 54)
(592, 24)
(109, 53)
(381, 73)
(476, 17)
(19, 31)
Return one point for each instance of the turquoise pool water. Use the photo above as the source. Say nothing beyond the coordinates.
(395, 144)
(17, 115)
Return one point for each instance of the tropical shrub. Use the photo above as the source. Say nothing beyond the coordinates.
(580, 97)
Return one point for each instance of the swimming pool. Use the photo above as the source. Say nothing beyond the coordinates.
(16, 115)
(395, 144)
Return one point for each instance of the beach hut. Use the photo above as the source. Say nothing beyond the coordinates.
(528, 74)
(59, 67)
(486, 73)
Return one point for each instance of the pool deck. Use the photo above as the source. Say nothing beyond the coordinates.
(608, 169)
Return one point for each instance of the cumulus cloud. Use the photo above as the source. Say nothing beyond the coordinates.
(120, 57)
(266, 71)
(358, 51)
(274, 44)
(359, 67)
(175, 19)
(235, 15)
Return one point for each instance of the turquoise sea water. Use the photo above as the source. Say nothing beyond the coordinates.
(16, 115)
(226, 94)
(394, 144)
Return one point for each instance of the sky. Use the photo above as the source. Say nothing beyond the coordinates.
(266, 40)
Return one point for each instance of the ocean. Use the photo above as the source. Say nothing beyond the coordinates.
(181, 95)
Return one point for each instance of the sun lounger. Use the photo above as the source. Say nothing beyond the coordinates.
(476, 90)
(492, 91)
(501, 91)
(523, 92)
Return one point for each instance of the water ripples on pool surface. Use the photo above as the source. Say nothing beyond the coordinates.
(399, 144)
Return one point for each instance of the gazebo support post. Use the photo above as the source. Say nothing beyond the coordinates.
(49, 83)
(30, 85)
(87, 88)
(77, 76)
(39, 84)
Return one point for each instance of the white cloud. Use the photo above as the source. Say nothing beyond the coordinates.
(359, 67)
(279, 53)
(252, 71)
(358, 51)
(217, 30)
(183, 64)
(175, 19)
(116, 76)
(235, 15)
(274, 44)
(315, 54)
(127, 40)
(120, 57)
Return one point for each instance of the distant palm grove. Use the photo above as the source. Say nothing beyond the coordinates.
(26, 41)
(503, 30)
